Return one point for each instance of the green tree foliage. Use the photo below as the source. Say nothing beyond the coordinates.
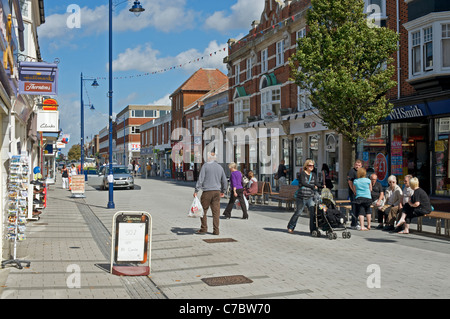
(74, 153)
(345, 64)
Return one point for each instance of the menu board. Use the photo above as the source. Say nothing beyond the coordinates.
(131, 242)
(77, 184)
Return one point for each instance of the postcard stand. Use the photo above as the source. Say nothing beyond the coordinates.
(18, 192)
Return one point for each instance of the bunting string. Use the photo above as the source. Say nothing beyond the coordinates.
(178, 66)
(241, 42)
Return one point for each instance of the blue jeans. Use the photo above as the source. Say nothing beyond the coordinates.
(301, 204)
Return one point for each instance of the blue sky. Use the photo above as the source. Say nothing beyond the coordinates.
(169, 33)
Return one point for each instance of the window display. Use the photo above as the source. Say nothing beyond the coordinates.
(441, 155)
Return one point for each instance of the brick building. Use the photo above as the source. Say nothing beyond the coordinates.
(262, 96)
(414, 138)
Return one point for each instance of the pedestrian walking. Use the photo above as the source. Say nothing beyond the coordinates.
(362, 188)
(213, 182)
(237, 192)
(351, 176)
(281, 173)
(72, 172)
(308, 184)
(418, 206)
(326, 177)
(65, 177)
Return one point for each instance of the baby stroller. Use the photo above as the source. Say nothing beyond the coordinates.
(327, 217)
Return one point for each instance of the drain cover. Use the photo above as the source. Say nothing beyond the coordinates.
(40, 224)
(227, 280)
(219, 240)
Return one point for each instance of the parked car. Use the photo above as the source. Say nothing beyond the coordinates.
(122, 177)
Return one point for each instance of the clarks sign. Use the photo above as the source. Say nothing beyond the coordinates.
(47, 121)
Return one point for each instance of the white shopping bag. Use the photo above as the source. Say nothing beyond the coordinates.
(196, 208)
(238, 203)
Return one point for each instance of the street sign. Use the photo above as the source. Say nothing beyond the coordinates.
(131, 244)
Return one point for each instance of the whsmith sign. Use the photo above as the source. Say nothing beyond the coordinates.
(407, 112)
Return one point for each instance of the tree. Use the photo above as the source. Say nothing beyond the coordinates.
(74, 152)
(345, 65)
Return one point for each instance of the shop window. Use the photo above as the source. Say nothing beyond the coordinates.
(332, 156)
(373, 151)
(314, 147)
(441, 156)
(409, 152)
(298, 151)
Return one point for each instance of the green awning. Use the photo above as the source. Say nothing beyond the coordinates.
(241, 91)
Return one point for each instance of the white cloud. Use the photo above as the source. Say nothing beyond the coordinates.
(146, 59)
(165, 100)
(165, 17)
(243, 13)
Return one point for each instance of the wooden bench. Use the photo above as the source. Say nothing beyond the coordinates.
(345, 204)
(439, 217)
(286, 194)
(259, 193)
(268, 192)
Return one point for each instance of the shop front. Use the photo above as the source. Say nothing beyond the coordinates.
(413, 140)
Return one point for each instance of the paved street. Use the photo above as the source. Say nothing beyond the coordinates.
(74, 234)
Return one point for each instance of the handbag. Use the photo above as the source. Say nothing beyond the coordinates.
(304, 192)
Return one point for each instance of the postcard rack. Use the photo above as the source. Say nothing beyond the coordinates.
(17, 205)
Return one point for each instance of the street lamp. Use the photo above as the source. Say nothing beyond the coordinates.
(94, 85)
(137, 10)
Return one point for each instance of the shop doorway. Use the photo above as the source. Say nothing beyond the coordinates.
(413, 156)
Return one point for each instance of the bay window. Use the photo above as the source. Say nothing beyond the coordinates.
(270, 101)
(446, 45)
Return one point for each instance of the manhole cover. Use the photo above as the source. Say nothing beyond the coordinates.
(219, 240)
(227, 280)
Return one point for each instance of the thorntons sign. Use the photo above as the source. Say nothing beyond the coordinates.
(407, 112)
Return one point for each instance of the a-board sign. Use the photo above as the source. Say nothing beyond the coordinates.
(131, 238)
(77, 185)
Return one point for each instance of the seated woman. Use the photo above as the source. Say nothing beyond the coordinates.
(252, 186)
(418, 206)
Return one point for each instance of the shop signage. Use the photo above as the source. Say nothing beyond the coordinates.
(380, 166)
(47, 121)
(407, 112)
(131, 247)
(50, 105)
(38, 78)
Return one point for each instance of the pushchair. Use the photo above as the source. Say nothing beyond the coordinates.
(327, 217)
